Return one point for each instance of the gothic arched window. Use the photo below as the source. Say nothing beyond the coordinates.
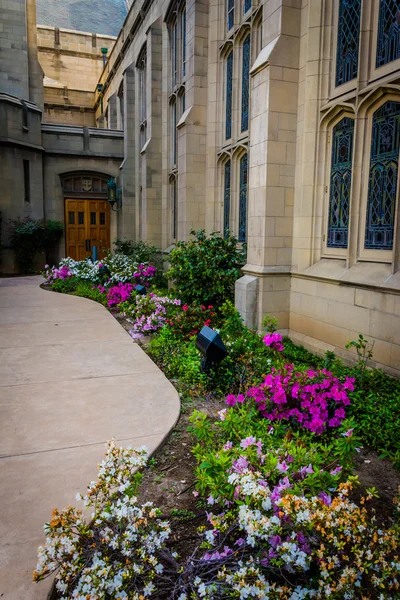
(340, 184)
(243, 190)
(383, 172)
(388, 46)
(245, 83)
(227, 195)
(228, 106)
(348, 40)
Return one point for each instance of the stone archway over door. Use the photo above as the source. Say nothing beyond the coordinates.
(87, 214)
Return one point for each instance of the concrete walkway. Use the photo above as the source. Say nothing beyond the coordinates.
(70, 379)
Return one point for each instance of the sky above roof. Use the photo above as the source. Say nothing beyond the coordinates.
(95, 16)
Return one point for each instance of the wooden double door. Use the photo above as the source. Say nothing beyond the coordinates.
(87, 225)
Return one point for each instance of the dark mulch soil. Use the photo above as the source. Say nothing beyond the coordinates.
(169, 482)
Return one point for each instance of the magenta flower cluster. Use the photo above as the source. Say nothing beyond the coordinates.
(274, 341)
(119, 293)
(54, 273)
(144, 274)
(313, 399)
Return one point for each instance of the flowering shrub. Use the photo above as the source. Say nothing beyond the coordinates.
(149, 312)
(318, 547)
(118, 293)
(115, 555)
(190, 320)
(232, 444)
(121, 268)
(274, 341)
(314, 400)
(276, 541)
(52, 274)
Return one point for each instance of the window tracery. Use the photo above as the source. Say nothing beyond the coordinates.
(382, 188)
(348, 40)
(340, 183)
(388, 45)
(243, 192)
(246, 55)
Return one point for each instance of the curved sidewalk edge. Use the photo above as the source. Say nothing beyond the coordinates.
(71, 378)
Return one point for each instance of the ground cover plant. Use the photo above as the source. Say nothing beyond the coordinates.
(274, 436)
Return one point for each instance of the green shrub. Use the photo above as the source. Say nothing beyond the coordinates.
(28, 237)
(65, 286)
(86, 290)
(204, 269)
(178, 359)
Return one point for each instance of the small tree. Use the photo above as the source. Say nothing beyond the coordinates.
(204, 269)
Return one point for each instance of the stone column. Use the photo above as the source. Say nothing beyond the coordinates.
(272, 158)
(192, 128)
(127, 216)
(151, 155)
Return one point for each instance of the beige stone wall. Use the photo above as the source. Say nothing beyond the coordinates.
(72, 63)
(72, 58)
(338, 293)
(147, 189)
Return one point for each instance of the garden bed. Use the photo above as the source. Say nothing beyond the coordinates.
(272, 484)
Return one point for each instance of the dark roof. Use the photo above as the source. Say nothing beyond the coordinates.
(94, 16)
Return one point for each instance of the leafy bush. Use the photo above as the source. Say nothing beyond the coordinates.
(85, 290)
(29, 236)
(179, 359)
(65, 286)
(204, 269)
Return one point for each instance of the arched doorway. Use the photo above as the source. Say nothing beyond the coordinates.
(87, 214)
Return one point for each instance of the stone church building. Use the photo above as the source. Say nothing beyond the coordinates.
(276, 119)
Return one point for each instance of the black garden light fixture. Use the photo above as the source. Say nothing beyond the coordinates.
(140, 289)
(114, 194)
(211, 346)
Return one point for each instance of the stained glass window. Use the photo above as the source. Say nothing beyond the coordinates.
(183, 38)
(348, 40)
(243, 198)
(228, 108)
(246, 6)
(388, 46)
(174, 209)
(340, 186)
(227, 196)
(230, 14)
(174, 43)
(174, 133)
(245, 83)
(383, 172)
